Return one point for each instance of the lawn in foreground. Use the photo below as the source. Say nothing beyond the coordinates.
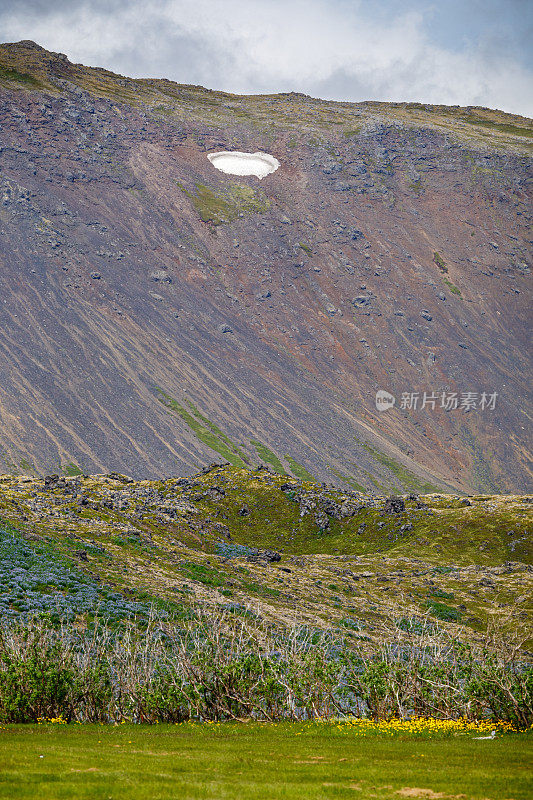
(286, 761)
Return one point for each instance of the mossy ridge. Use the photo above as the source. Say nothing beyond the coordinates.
(273, 520)
(441, 533)
(225, 206)
(12, 76)
(477, 126)
(470, 534)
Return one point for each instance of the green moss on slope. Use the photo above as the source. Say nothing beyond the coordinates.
(350, 481)
(439, 261)
(205, 430)
(226, 206)
(9, 75)
(299, 470)
(407, 478)
(268, 456)
(452, 287)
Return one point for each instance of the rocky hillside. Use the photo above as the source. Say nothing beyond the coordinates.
(260, 543)
(156, 313)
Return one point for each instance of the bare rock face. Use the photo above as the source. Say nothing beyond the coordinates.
(157, 313)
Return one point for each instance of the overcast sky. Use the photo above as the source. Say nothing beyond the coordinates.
(465, 52)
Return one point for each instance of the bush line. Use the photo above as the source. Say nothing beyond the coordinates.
(221, 667)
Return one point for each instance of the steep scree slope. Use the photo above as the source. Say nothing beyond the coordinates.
(155, 312)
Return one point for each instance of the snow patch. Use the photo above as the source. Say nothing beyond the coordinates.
(235, 163)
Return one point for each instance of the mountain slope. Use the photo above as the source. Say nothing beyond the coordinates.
(156, 312)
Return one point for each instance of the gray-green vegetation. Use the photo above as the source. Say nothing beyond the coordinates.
(222, 667)
(224, 206)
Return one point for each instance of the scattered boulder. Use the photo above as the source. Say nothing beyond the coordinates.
(161, 276)
(270, 556)
(211, 467)
(322, 520)
(394, 505)
(331, 168)
(117, 476)
(362, 300)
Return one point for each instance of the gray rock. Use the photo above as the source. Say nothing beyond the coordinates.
(160, 275)
(270, 556)
(362, 300)
(394, 505)
(322, 520)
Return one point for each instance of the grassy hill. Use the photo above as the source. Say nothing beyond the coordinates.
(257, 542)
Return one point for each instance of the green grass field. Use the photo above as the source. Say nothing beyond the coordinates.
(255, 762)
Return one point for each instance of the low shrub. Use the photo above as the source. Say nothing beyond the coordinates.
(37, 677)
(233, 666)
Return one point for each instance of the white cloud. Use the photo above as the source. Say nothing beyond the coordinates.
(338, 50)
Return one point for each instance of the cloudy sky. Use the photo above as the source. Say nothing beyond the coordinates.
(466, 52)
